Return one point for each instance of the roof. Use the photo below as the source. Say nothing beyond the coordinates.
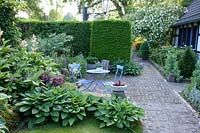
(192, 14)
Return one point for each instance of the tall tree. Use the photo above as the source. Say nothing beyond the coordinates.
(32, 8)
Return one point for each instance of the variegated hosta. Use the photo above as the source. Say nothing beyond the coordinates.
(118, 112)
(56, 104)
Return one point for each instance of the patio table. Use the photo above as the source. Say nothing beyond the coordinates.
(99, 74)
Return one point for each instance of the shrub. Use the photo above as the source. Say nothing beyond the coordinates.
(153, 22)
(91, 60)
(192, 91)
(118, 112)
(195, 79)
(20, 70)
(79, 30)
(8, 11)
(59, 104)
(171, 66)
(144, 50)
(187, 62)
(53, 45)
(130, 68)
(159, 55)
(111, 40)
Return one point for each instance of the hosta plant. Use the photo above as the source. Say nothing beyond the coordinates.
(3, 128)
(118, 112)
(59, 104)
(3, 110)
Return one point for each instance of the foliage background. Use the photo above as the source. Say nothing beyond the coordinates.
(79, 30)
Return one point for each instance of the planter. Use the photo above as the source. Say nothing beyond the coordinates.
(171, 78)
(91, 66)
(119, 90)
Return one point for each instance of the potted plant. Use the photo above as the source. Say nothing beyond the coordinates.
(118, 89)
(99, 65)
(91, 62)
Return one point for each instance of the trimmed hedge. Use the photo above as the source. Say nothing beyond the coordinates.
(79, 30)
(111, 40)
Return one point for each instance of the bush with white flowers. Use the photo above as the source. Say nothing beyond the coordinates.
(153, 22)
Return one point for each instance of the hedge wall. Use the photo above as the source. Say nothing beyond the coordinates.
(79, 30)
(111, 40)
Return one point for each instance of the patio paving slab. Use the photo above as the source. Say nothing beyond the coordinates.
(165, 112)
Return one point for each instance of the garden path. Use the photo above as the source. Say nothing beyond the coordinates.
(165, 112)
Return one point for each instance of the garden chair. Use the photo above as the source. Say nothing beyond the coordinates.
(76, 76)
(117, 76)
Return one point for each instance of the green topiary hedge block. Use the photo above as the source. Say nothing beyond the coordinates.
(79, 30)
(111, 40)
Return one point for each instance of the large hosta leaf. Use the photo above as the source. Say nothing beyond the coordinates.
(24, 108)
(71, 121)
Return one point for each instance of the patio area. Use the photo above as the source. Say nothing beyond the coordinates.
(165, 112)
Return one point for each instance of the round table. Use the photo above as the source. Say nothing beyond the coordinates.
(96, 72)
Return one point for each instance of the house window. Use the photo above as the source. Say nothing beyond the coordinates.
(194, 37)
(188, 36)
(180, 37)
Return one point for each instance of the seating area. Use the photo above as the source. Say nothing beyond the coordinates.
(97, 81)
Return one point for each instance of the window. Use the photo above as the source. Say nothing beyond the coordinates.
(180, 37)
(194, 37)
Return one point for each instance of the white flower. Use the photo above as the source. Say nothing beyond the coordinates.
(24, 43)
(1, 33)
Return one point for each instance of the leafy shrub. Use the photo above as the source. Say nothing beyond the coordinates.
(118, 112)
(144, 50)
(91, 60)
(111, 40)
(79, 30)
(59, 104)
(195, 79)
(171, 66)
(192, 91)
(53, 44)
(153, 22)
(8, 11)
(130, 68)
(20, 70)
(79, 60)
(159, 54)
(187, 62)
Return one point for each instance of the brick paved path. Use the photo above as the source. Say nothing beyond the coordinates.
(165, 112)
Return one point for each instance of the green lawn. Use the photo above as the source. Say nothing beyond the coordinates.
(89, 125)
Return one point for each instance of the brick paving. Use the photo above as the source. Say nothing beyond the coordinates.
(165, 112)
